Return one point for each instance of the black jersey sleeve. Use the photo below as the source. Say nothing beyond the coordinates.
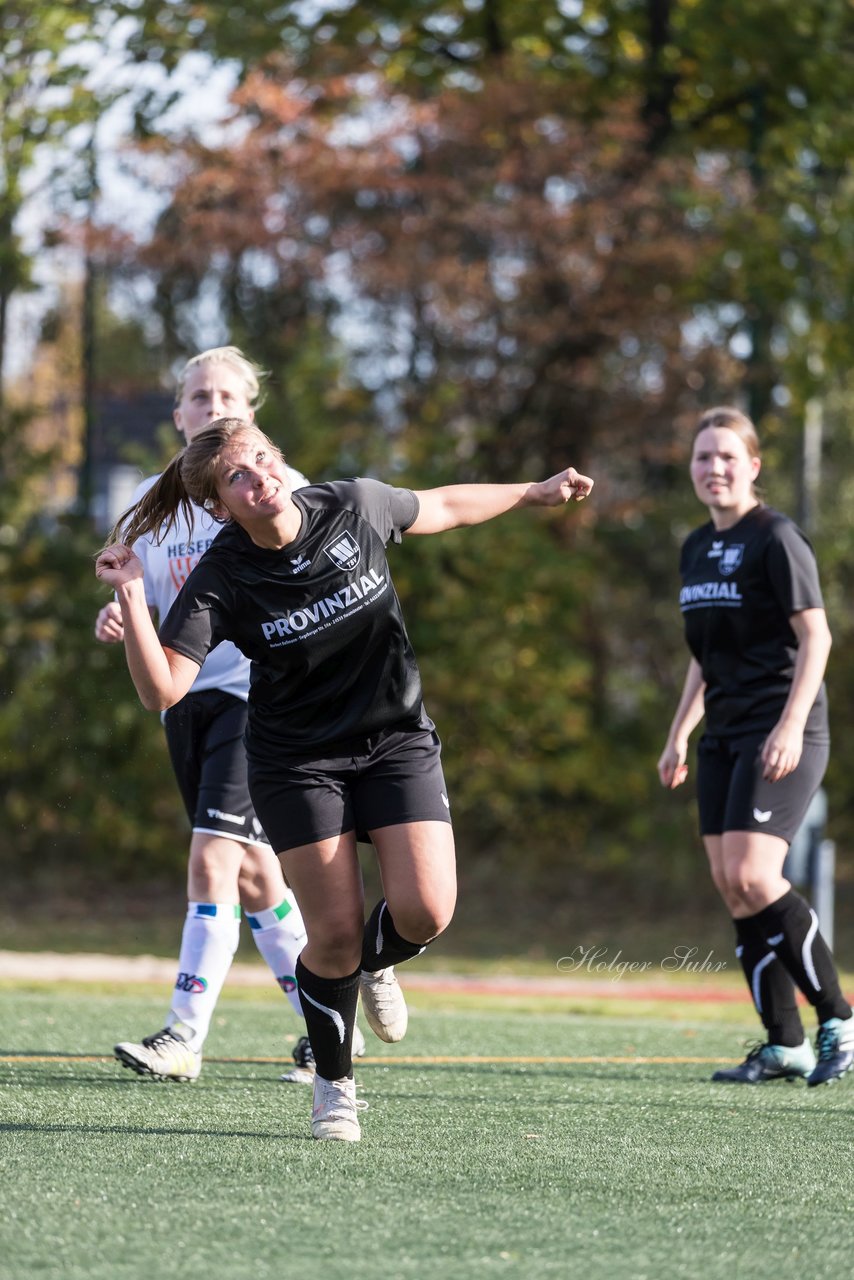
(792, 569)
(386, 508)
(198, 619)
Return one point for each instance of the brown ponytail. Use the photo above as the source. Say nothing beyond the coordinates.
(158, 506)
(191, 477)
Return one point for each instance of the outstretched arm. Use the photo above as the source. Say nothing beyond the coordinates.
(161, 676)
(454, 505)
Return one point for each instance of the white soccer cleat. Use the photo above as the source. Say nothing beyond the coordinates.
(384, 1005)
(163, 1056)
(334, 1115)
(359, 1047)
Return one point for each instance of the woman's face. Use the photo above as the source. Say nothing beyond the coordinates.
(252, 481)
(211, 390)
(723, 471)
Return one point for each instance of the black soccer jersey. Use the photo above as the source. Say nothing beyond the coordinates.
(740, 586)
(319, 620)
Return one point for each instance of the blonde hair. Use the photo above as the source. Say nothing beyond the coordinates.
(251, 373)
(191, 477)
(731, 419)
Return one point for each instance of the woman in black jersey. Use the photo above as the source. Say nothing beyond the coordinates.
(339, 744)
(758, 636)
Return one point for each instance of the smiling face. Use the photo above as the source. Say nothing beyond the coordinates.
(252, 480)
(211, 390)
(723, 471)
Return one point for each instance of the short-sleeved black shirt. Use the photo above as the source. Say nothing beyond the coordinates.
(740, 587)
(319, 620)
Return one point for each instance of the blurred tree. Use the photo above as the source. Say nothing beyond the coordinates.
(87, 789)
(482, 240)
(767, 118)
(85, 784)
(506, 279)
(482, 276)
(44, 98)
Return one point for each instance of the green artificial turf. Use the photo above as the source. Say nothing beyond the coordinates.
(620, 1170)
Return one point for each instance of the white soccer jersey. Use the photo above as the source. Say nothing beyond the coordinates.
(167, 567)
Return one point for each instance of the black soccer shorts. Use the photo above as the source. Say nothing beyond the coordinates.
(391, 778)
(732, 794)
(204, 733)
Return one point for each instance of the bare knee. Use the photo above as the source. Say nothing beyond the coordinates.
(747, 892)
(260, 880)
(334, 946)
(748, 870)
(421, 922)
(719, 880)
(213, 868)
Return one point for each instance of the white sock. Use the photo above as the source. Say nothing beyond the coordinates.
(279, 934)
(208, 943)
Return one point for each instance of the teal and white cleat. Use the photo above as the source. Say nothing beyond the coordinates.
(770, 1062)
(835, 1043)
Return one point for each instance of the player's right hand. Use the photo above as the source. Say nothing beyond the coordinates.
(117, 565)
(109, 628)
(672, 769)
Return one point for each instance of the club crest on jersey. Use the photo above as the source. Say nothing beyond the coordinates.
(731, 558)
(344, 551)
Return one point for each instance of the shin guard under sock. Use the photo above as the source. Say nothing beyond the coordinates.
(279, 934)
(790, 926)
(208, 943)
(329, 1008)
(771, 986)
(383, 945)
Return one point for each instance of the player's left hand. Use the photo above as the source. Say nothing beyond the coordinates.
(566, 486)
(109, 627)
(781, 752)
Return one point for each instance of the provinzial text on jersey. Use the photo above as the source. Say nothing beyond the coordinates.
(700, 593)
(298, 620)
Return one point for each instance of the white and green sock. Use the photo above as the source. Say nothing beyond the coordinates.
(208, 943)
(279, 934)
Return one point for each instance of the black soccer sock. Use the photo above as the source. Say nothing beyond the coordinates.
(383, 945)
(790, 926)
(771, 986)
(329, 1006)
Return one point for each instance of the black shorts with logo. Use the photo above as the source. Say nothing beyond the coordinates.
(732, 794)
(204, 732)
(390, 778)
